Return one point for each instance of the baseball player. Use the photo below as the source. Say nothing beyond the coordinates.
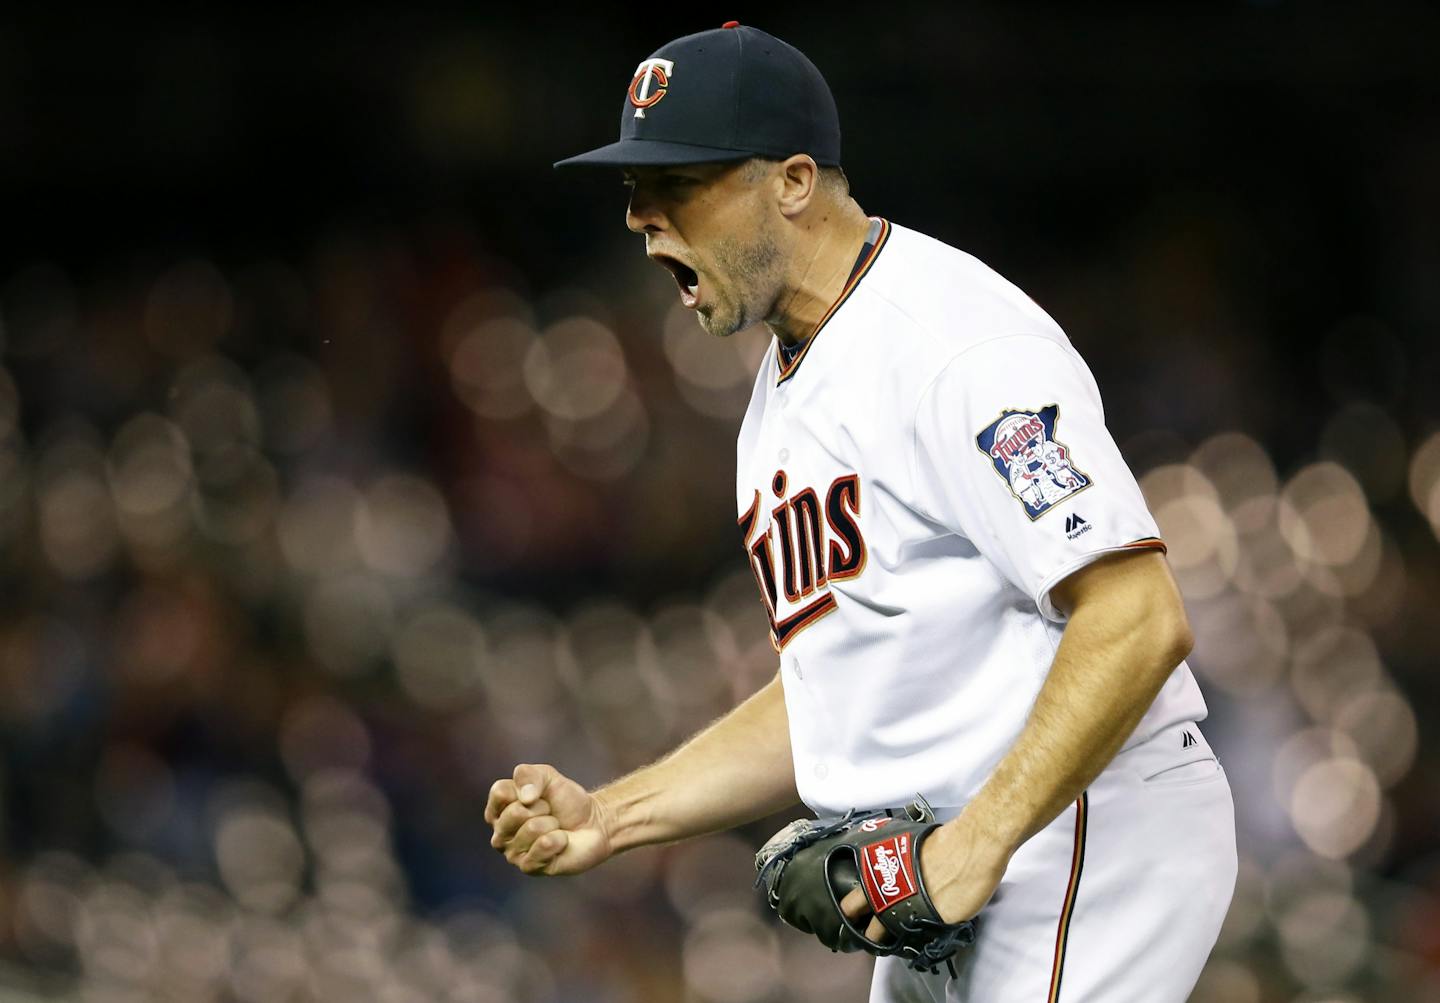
(967, 594)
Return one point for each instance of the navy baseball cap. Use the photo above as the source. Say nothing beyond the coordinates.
(727, 94)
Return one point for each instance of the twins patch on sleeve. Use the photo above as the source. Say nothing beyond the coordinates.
(1025, 453)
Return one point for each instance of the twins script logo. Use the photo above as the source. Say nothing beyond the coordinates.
(807, 544)
(887, 871)
(1027, 456)
(652, 78)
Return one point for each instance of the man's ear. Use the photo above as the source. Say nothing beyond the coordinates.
(800, 183)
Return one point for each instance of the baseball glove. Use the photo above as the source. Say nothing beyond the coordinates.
(810, 865)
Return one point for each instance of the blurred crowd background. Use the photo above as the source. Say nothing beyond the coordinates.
(349, 456)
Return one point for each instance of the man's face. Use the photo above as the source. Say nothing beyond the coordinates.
(710, 226)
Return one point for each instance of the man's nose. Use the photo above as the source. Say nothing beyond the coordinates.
(642, 215)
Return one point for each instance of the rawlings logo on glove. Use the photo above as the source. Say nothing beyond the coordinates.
(883, 868)
(809, 866)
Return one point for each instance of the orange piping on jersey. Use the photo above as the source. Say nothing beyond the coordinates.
(1149, 543)
(1077, 864)
(787, 371)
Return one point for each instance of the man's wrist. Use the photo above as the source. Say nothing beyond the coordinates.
(985, 847)
(617, 816)
(961, 868)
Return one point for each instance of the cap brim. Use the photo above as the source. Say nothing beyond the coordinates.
(642, 152)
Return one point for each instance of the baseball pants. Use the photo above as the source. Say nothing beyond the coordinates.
(1118, 900)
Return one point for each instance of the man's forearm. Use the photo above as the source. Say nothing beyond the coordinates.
(1126, 633)
(1098, 689)
(735, 771)
(1113, 658)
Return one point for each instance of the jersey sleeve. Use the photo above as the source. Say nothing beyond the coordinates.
(1011, 452)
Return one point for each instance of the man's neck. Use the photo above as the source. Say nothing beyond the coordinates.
(819, 274)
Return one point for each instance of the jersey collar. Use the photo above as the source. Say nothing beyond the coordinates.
(874, 243)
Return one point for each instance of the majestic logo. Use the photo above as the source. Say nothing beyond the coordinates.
(1025, 453)
(887, 870)
(805, 546)
(1188, 740)
(652, 79)
(1076, 526)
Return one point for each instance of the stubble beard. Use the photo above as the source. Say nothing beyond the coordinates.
(747, 294)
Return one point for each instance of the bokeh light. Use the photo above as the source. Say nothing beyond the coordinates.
(487, 366)
(713, 375)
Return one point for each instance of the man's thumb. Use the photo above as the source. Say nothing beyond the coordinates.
(530, 781)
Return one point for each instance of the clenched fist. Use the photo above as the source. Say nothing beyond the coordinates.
(546, 823)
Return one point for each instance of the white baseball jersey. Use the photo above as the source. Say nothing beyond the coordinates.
(910, 488)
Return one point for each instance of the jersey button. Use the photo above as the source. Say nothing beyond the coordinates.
(821, 771)
(795, 667)
(784, 455)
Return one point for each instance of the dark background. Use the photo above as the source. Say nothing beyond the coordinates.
(349, 455)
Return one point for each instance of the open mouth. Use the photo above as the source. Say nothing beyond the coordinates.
(685, 278)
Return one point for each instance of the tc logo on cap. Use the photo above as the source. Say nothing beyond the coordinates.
(652, 77)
